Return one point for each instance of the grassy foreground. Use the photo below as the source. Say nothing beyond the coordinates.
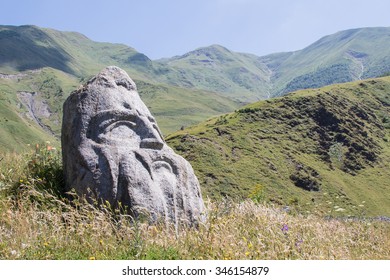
(36, 223)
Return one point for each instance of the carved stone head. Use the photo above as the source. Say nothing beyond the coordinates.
(114, 151)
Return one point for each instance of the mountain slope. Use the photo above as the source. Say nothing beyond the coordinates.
(35, 98)
(324, 150)
(239, 76)
(39, 68)
(31, 47)
(341, 57)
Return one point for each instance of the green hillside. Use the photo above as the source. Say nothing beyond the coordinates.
(39, 68)
(176, 108)
(239, 76)
(32, 102)
(320, 150)
(31, 107)
(341, 57)
(30, 47)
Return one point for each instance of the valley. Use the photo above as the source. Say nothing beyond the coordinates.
(306, 129)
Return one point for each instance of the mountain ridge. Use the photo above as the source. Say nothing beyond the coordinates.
(181, 90)
(343, 56)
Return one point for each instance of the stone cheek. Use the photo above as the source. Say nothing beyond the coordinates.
(113, 151)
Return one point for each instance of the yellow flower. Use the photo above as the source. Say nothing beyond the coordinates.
(92, 258)
(247, 253)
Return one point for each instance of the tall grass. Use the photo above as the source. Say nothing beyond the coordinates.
(38, 223)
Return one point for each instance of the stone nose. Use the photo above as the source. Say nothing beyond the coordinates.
(152, 139)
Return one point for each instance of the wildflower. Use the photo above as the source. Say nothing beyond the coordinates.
(20, 181)
(49, 148)
(13, 252)
(92, 258)
(298, 242)
(247, 253)
(285, 228)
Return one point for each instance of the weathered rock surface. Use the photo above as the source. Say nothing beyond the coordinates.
(114, 151)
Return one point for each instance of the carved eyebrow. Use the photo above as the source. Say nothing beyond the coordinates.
(108, 120)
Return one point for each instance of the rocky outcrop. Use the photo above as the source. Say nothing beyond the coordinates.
(113, 151)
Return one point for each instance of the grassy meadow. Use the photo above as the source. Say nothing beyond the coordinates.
(38, 222)
(322, 151)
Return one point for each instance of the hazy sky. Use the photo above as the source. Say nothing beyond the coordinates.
(163, 28)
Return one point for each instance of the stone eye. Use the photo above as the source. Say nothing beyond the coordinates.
(107, 128)
(104, 123)
(127, 105)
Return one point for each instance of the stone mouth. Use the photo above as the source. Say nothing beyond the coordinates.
(155, 164)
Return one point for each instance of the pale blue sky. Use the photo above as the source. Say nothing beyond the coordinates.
(163, 28)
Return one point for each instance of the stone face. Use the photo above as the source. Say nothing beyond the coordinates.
(114, 151)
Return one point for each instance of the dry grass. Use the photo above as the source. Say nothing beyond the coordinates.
(56, 230)
(37, 224)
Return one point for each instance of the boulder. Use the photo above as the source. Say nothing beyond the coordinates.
(113, 151)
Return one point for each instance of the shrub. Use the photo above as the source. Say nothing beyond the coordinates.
(43, 172)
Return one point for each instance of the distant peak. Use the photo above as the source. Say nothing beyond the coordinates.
(209, 51)
(213, 47)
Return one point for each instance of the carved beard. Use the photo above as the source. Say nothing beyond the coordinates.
(145, 180)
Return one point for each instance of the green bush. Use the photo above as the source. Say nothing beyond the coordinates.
(42, 173)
